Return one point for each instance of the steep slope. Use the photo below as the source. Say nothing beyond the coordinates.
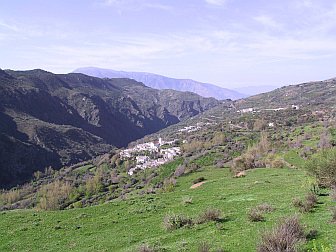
(162, 82)
(49, 119)
(319, 94)
(312, 101)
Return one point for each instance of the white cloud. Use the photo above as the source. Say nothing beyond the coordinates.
(216, 2)
(136, 5)
(267, 21)
(8, 26)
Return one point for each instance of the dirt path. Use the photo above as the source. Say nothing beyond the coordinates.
(197, 185)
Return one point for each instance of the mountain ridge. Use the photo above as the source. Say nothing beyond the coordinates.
(162, 82)
(69, 118)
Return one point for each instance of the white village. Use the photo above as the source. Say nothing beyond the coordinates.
(151, 154)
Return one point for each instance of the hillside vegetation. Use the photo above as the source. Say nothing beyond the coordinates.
(260, 179)
(57, 120)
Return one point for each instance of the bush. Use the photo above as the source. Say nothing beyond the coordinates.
(284, 237)
(297, 203)
(333, 214)
(179, 171)
(169, 185)
(10, 197)
(210, 214)
(146, 248)
(265, 208)
(308, 204)
(333, 194)
(204, 247)
(54, 195)
(176, 221)
(323, 166)
(255, 215)
(187, 200)
(312, 234)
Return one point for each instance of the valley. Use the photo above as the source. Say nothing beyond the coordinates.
(168, 126)
(199, 183)
(60, 120)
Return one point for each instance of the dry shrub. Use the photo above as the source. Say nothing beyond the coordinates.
(210, 214)
(193, 146)
(297, 202)
(10, 197)
(204, 247)
(176, 221)
(146, 248)
(311, 198)
(169, 185)
(265, 208)
(253, 157)
(333, 194)
(187, 200)
(308, 204)
(274, 161)
(53, 195)
(333, 214)
(255, 215)
(285, 237)
(179, 171)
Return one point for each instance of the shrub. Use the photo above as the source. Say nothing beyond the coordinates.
(278, 163)
(333, 214)
(53, 195)
(311, 198)
(255, 215)
(146, 248)
(284, 237)
(204, 247)
(265, 208)
(312, 234)
(176, 221)
(179, 171)
(210, 214)
(10, 197)
(187, 200)
(308, 204)
(297, 202)
(94, 184)
(169, 185)
(323, 166)
(333, 194)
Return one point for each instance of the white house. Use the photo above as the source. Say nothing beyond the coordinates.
(141, 159)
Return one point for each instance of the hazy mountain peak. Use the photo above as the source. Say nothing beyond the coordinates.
(162, 82)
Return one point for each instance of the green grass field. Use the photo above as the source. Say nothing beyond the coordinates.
(125, 225)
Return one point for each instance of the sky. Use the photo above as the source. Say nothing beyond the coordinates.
(230, 43)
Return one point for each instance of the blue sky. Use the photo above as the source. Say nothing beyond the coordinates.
(230, 43)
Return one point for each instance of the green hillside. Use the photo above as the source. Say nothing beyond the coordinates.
(254, 170)
(126, 225)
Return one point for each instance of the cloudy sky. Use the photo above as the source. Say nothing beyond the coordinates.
(230, 43)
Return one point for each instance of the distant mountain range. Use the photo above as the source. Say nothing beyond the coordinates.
(54, 120)
(162, 82)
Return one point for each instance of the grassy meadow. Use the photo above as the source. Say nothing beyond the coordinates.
(124, 225)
